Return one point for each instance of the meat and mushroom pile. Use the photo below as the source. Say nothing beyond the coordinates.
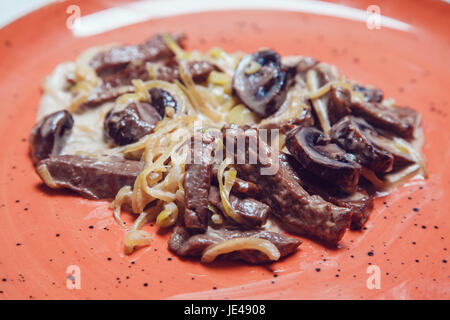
(241, 154)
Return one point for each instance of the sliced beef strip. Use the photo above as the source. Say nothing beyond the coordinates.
(130, 124)
(153, 49)
(253, 212)
(300, 212)
(401, 121)
(197, 181)
(104, 94)
(115, 84)
(126, 75)
(91, 177)
(350, 133)
(240, 187)
(338, 104)
(184, 243)
(360, 202)
(49, 135)
(166, 70)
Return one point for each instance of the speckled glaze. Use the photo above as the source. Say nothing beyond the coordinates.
(407, 236)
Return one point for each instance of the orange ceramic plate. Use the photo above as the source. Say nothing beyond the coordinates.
(44, 233)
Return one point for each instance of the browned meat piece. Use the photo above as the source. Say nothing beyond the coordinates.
(153, 49)
(49, 135)
(300, 212)
(184, 243)
(125, 75)
(253, 212)
(91, 177)
(197, 181)
(317, 154)
(360, 202)
(400, 120)
(200, 70)
(386, 143)
(338, 104)
(260, 83)
(131, 123)
(165, 70)
(240, 187)
(370, 94)
(105, 94)
(352, 134)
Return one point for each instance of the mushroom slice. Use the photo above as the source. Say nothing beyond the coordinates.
(131, 123)
(260, 82)
(315, 151)
(353, 135)
(162, 99)
(50, 134)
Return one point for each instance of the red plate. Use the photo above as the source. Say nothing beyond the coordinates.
(407, 238)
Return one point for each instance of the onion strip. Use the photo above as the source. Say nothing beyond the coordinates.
(225, 189)
(237, 244)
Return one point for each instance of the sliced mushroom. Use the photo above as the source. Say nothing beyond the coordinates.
(260, 82)
(162, 99)
(50, 134)
(131, 123)
(315, 151)
(353, 135)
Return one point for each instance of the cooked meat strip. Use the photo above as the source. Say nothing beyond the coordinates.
(350, 133)
(370, 94)
(131, 123)
(240, 187)
(300, 212)
(166, 70)
(400, 120)
(197, 181)
(253, 212)
(338, 104)
(104, 94)
(153, 49)
(49, 135)
(126, 75)
(91, 177)
(359, 202)
(315, 151)
(183, 243)
(385, 142)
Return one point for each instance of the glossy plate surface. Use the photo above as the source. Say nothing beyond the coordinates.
(44, 233)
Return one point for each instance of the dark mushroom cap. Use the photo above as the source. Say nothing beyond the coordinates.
(161, 99)
(354, 136)
(130, 124)
(262, 91)
(50, 134)
(316, 153)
